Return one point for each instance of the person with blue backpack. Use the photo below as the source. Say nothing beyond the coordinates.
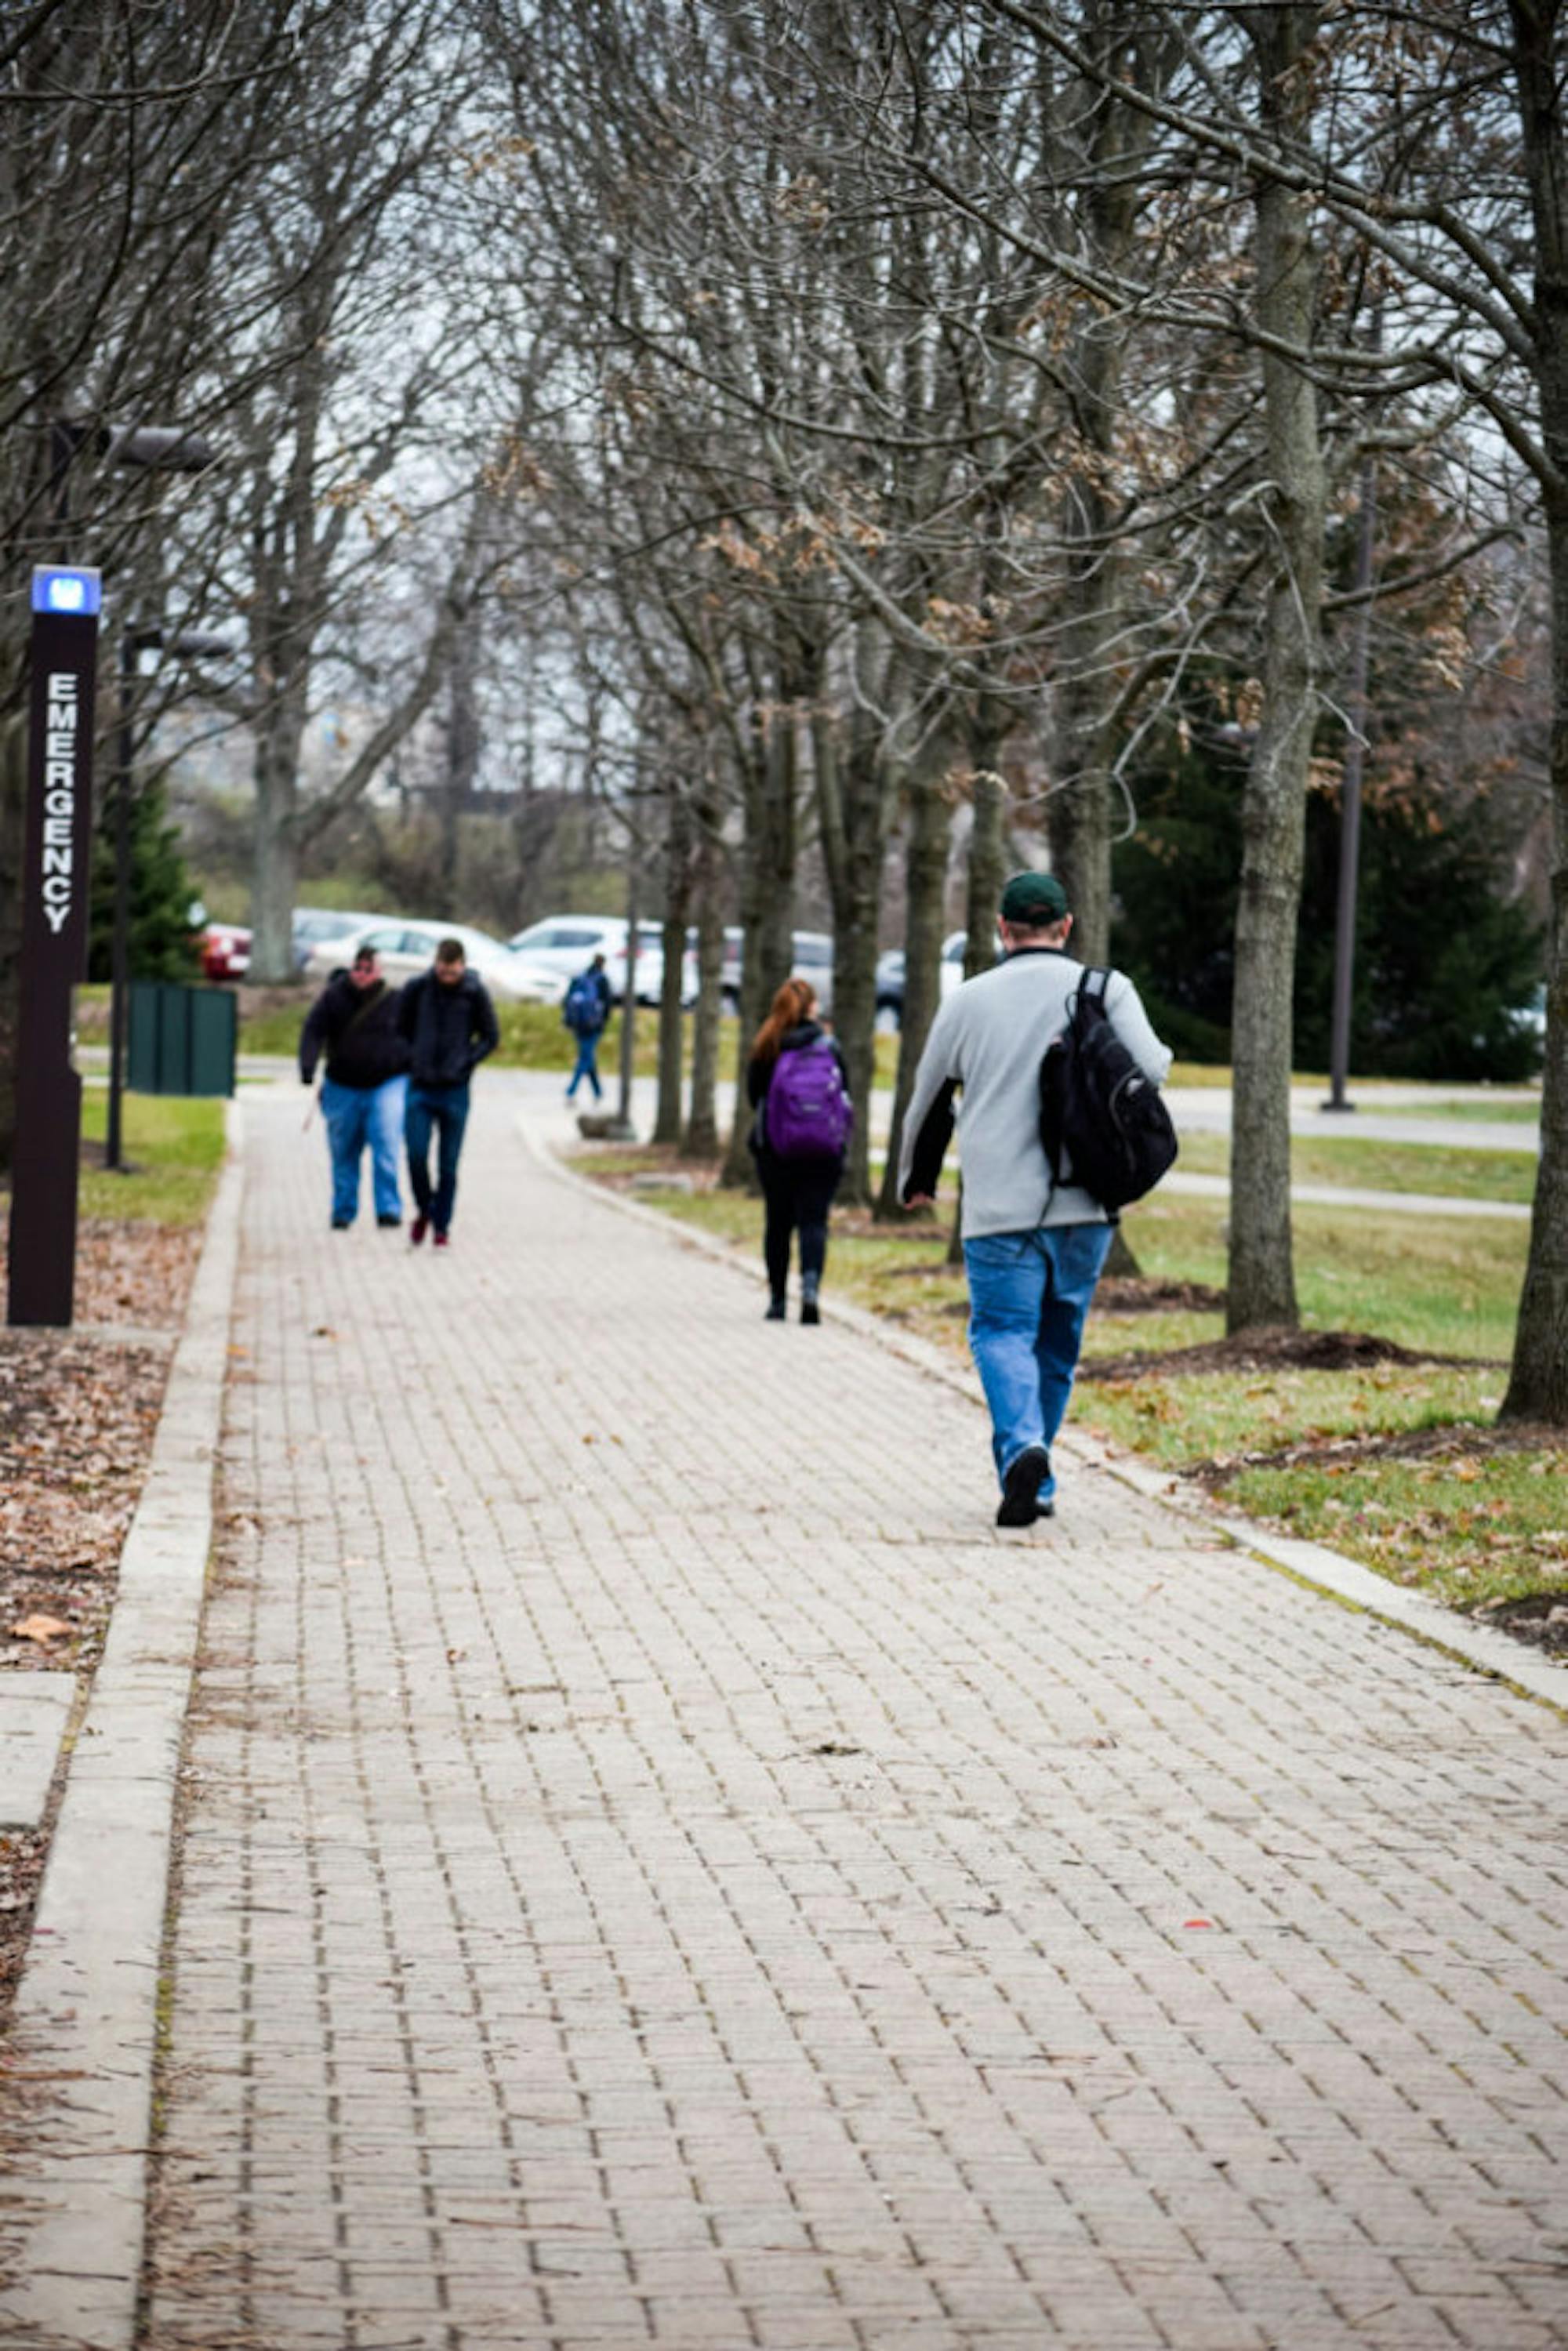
(799, 1090)
(585, 1010)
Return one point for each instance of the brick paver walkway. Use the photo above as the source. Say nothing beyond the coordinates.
(660, 1868)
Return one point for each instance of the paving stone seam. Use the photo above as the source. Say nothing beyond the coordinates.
(1314, 1565)
(85, 2018)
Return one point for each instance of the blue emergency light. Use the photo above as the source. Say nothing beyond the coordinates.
(77, 593)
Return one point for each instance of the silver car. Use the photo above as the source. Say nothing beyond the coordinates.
(406, 948)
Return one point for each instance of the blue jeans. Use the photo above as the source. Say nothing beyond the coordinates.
(355, 1116)
(587, 1064)
(445, 1110)
(1029, 1295)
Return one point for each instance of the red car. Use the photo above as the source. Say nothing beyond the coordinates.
(225, 951)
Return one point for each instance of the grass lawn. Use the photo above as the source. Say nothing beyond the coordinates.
(1364, 1165)
(174, 1149)
(1394, 1463)
(1477, 1105)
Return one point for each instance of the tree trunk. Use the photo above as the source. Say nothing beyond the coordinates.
(983, 897)
(854, 798)
(1538, 1381)
(770, 802)
(677, 898)
(701, 1140)
(925, 884)
(1262, 1282)
(464, 743)
(275, 871)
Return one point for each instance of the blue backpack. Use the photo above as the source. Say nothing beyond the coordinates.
(808, 1114)
(583, 1009)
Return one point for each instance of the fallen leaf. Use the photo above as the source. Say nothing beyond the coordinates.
(41, 1628)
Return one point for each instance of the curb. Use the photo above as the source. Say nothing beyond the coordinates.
(87, 2010)
(1329, 1572)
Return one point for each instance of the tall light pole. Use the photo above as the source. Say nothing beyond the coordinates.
(190, 645)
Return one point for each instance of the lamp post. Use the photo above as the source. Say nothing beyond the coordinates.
(190, 645)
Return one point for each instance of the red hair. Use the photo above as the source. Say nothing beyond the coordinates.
(795, 1001)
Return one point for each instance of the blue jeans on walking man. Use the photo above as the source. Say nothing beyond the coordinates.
(1029, 1295)
(587, 1063)
(442, 1111)
(355, 1116)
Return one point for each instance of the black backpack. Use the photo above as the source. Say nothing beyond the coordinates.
(1101, 1121)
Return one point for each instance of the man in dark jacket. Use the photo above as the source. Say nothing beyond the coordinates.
(450, 1023)
(355, 1018)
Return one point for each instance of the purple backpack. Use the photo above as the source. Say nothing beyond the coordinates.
(808, 1114)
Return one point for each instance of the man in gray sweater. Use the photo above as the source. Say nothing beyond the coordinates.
(1033, 1249)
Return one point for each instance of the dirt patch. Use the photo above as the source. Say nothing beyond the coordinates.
(1271, 1351)
(1541, 1620)
(1126, 1295)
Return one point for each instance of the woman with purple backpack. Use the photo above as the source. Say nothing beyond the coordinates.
(799, 1088)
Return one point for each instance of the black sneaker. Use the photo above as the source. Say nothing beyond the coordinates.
(342, 1224)
(809, 1310)
(390, 1223)
(776, 1311)
(1020, 1506)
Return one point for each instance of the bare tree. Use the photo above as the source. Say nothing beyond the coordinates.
(129, 139)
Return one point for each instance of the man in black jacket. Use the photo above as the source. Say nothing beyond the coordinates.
(356, 1018)
(450, 1023)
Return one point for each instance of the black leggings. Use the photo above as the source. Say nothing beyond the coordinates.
(798, 1193)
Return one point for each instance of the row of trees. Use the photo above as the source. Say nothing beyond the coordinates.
(843, 414)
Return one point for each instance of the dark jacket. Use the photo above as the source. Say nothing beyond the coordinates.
(359, 1028)
(759, 1075)
(451, 1029)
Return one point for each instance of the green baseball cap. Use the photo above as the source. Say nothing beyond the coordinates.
(1034, 899)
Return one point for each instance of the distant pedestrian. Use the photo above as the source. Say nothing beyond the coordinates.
(799, 1088)
(585, 1011)
(1033, 1249)
(363, 1089)
(450, 1023)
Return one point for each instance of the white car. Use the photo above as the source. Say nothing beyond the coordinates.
(313, 925)
(561, 946)
(407, 948)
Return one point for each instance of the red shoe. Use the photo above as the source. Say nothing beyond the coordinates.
(417, 1230)
(440, 1241)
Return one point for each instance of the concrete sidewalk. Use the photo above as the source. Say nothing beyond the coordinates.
(660, 1867)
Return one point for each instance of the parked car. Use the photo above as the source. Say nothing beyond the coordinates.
(890, 978)
(312, 925)
(561, 946)
(224, 949)
(812, 957)
(407, 948)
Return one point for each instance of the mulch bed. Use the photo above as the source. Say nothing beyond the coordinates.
(1270, 1351)
(1541, 1620)
(78, 1410)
